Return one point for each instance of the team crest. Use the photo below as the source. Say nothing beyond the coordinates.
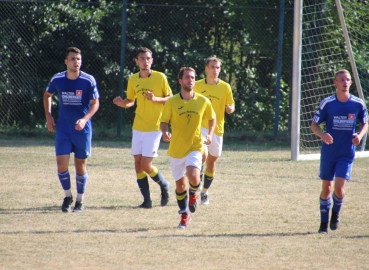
(351, 116)
(78, 92)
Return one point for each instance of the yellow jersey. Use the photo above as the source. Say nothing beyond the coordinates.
(148, 113)
(185, 117)
(220, 95)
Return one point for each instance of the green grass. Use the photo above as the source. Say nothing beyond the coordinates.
(263, 214)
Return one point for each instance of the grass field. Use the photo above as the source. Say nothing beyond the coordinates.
(263, 214)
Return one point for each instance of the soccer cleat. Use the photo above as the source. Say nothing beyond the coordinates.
(204, 198)
(146, 205)
(335, 221)
(193, 203)
(165, 195)
(79, 207)
(323, 229)
(67, 204)
(185, 220)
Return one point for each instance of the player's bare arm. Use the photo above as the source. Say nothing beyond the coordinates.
(166, 134)
(94, 106)
(126, 103)
(230, 109)
(358, 136)
(150, 96)
(211, 132)
(326, 137)
(47, 107)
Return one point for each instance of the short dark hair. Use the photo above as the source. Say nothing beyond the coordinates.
(213, 58)
(142, 50)
(72, 49)
(182, 70)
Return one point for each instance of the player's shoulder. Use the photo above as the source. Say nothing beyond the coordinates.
(155, 73)
(327, 100)
(87, 77)
(201, 81)
(200, 96)
(60, 75)
(221, 82)
(357, 99)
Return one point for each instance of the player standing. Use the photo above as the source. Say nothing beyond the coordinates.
(185, 111)
(340, 112)
(78, 102)
(220, 94)
(151, 90)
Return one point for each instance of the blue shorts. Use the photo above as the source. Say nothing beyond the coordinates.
(330, 169)
(79, 144)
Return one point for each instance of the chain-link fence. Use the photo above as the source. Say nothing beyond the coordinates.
(244, 34)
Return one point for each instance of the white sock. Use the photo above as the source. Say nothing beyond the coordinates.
(68, 193)
(80, 197)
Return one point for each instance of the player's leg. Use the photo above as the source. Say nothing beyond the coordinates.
(151, 141)
(193, 166)
(82, 150)
(326, 174)
(143, 183)
(204, 132)
(343, 173)
(178, 168)
(215, 150)
(63, 148)
(142, 180)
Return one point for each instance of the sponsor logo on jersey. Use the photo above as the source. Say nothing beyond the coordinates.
(351, 116)
(78, 92)
(180, 108)
(188, 118)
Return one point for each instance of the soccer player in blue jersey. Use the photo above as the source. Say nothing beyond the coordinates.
(185, 112)
(78, 102)
(151, 90)
(340, 112)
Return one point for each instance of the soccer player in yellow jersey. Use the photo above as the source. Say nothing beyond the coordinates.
(151, 90)
(220, 95)
(185, 111)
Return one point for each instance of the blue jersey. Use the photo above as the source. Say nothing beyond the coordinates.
(340, 118)
(74, 99)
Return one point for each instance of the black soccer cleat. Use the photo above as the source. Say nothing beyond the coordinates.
(145, 205)
(67, 204)
(335, 221)
(323, 229)
(79, 207)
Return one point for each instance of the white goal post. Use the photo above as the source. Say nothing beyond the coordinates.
(322, 44)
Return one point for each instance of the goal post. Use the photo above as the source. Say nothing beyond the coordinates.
(323, 43)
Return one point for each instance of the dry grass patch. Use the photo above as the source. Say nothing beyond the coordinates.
(263, 214)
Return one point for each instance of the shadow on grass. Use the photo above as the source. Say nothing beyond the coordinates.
(56, 209)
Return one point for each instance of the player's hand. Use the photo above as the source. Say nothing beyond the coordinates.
(167, 136)
(327, 138)
(207, 140)
(50, 123)
(150, 96)
(229, 109)
(356, 139)
(117, 101)
(80, 124)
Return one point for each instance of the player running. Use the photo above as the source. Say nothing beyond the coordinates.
(185, 111)
(220, 95)
(340, 112)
